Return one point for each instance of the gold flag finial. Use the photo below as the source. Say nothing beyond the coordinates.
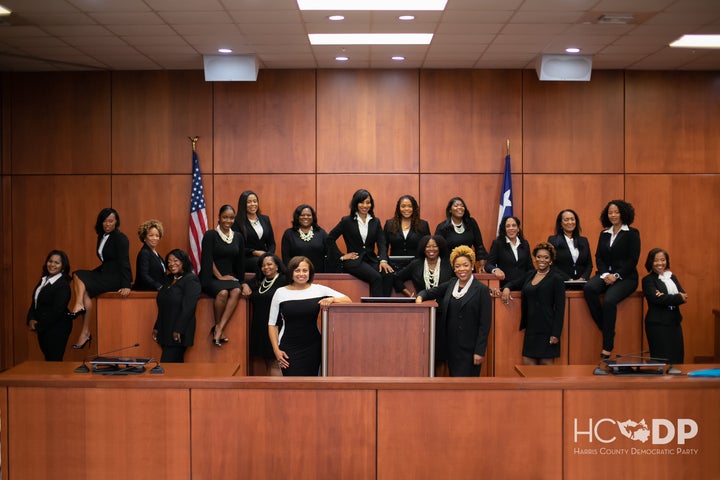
(507, 146)
(194, 141)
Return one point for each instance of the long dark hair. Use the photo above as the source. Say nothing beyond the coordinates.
(576, 231)
(63, 259)
(501, 228)
(447, 224)
(241, 212)
(104, 213)
(358, 197)
(396, 221)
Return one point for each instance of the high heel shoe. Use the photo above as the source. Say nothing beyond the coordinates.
(222, 339)
(82, 345)
(74, 315)
(217, 343)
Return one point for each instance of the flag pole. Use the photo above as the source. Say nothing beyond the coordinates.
(194, 141)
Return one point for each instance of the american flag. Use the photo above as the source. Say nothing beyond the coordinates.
(198, 216)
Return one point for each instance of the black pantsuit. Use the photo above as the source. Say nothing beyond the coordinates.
(53, 325)
(502, 257)
(663, 319)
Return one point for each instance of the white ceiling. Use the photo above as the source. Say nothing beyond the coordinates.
(174, 34)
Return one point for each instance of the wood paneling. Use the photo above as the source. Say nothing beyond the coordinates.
(481, 434)
(153, 114)
(669, 211)
(573, 127)
(466, 117)
(672, 120)
(367, 121)
(60, 123)
(106, 433)
(266, 126)
(299, 434)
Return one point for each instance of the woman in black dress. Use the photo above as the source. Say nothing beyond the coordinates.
(362, 232)
(150, 270)
(174, 328)
(664, 295)
(297, 345)
(459, 228)
(222, 271)
(305, 238)
(404, 231)
(574, 261)
(509, 258)
(543, 308)
(616, 257)
(113, 274)
(466, 310)
(269, 276)
(255, 228)
(47, 315)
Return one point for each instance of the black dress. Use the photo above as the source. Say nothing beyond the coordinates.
(315, 249)
(150, 272)
(227, 257)
(299, 336)
(260, 299)
(176, 303)
(543, 309)
(266, 242)
(114, 273)
(471, 237)
(49, 310)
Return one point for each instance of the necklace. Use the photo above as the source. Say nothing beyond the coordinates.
(255, 222)
(306, 237)
(431, 277)
(227, 238)
(458, 292)
(459, 229)
(266, 284)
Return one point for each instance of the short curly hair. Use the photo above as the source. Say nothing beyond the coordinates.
(462, 251)
(545, 246)
(627, 213)
(145, 227)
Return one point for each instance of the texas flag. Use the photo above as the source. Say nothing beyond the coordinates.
(506, 209)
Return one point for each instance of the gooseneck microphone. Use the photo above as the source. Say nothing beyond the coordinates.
(85, 369)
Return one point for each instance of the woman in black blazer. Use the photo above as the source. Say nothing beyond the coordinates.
(150, 271)
(466, 311)
(47, 315)
(573, 261)
(113, 274)
(404, 231)
(460, 228)
(362, 232)
(174, 328)
(616, 257)
(255, 228)
(664, 295)
(506, 263)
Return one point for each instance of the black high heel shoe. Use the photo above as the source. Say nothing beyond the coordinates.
(74, 315)
(81, 346)
(217, 343)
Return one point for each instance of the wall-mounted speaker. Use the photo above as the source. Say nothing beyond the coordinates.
(230, 68)
(574, 68)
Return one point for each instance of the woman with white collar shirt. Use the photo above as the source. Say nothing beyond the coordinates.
(664, 295)
(574, 260)
(362, 232)
(509, 258)
(616, 257)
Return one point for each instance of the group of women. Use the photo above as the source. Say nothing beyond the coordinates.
(442, 268)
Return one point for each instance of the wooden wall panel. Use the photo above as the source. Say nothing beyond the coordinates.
(547, 195)
(51, 212)
(480, 192)
(671, 213)
(672, 120)
(153, 114)
(60, 123)
(299, 434)
(266, 126)
(466, 117)
(367, 121)
(573, 127)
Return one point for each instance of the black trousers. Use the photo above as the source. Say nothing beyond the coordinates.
(381, 284)
(54, 340)
(173, 354)
(605, 313)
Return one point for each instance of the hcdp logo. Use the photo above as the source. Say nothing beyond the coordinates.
(661, 430)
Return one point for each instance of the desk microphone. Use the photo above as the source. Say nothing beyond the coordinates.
(85, 369)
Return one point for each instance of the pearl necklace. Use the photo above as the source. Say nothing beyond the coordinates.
(459, 229)
(431, 277)
(266, 285)
(255, 222)
(225, 238)
(306, 237)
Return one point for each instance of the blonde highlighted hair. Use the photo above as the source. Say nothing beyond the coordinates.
(462, 251)
(145, 227)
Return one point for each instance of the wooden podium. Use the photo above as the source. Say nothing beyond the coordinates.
(379, 340)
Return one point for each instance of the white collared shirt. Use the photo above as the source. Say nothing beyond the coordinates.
(45, 282)
(514, 247)
(574, 252)
(613, 235)
(363, 226)
(102, 245)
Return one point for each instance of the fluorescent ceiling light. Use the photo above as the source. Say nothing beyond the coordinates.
(370, 38)
(697, 41)
(4, 11)
(338, 5)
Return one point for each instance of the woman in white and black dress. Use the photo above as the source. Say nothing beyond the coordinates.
(47, 315)
(574, 260)
(176, 301)
(405, 229)
(269, 276)
(255, 228)
(297, 345)
(305, 238)
(460, 228)
(222, 271)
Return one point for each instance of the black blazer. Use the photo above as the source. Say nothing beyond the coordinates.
(414, 272)
(548, 305)
(176, 310)
(471, 237)
(663, 310)
(622, 257)
(51, 306)
(501, 256)
(348, 229)
(474, 314)
(116, 257)
(398, 244)
(252, 241)
(564, 264)
(149, 271)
